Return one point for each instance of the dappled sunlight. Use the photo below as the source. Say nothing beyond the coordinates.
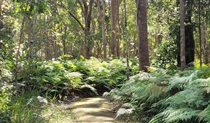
(93, 110)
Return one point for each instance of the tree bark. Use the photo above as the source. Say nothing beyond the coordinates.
(103, 29)
(18, 48)
(30, 36)
(189, 36)
(114, 28)
(87, 11)
(199, 32)
(1, 1)
(207, 44)
(142, 34)
(182, 35)
(64, 40)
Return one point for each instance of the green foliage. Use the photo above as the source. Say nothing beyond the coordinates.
(205, 114)
(5, 93)
(50, 77)
(204, 73)
(166, 55)
(163, 96)
(171, 115)
(60, 77)
(21, 108)
(5, 90)
(30, 7)
(25, 108)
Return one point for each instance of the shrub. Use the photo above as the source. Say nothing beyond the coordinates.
(60, 77)
(163, 96)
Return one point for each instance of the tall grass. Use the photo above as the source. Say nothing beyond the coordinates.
(25, 108)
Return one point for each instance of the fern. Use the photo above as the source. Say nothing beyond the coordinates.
(172, 98)
(89, 87)
(135, 83)
(150, 93)
(205, 114)
(186, 98)
(173, 115)
(181, 83)
(184, 105)
(204, 72)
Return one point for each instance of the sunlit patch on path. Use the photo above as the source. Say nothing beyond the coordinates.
(93, 110)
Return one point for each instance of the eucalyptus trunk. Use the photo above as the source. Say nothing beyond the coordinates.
(114, 27)
(142, 34)
(87, 12)
(189, 36)
(182, 35)
(103, 29)
(1, 1)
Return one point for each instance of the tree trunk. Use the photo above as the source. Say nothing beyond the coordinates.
(18, 49)
(30, 36)
(207, 44)
(199, 32)
(114, 28)
(142, 34)
(103, 29)
(87, 11)
(64, 41)
(182, 35)
(1, 1)
(117, 31)
(189, 36)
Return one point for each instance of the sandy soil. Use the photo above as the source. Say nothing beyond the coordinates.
(92, 110)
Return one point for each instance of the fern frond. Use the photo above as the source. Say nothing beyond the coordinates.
(205, 114)
(172, 115)
(183, 114)
(89, 87)
(176, 83)
(135, 83)
(181, 82)
(157, 119)
(186, 98)
(150, 93)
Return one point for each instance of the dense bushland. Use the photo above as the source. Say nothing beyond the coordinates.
(160, 96)
(61, 77)
(166, 96)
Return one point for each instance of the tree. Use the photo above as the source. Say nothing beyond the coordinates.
(87, 11)
(103, 29)
(189, 36)
(0, 7)
(182, 35)
(142, 34)
(199, 31)
(1, 23)
(206, 34)
(114, 27)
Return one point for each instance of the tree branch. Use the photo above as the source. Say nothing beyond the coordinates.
(72, 15)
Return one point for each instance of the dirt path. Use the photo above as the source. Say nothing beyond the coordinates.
(92, 110)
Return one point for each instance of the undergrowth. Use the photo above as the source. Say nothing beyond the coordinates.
(160, 96)
(166, 96)
(60, 78)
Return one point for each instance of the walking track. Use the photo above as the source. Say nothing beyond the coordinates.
(92, 110)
